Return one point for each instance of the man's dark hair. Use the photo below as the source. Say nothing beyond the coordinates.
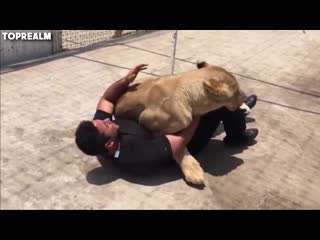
(89, 140)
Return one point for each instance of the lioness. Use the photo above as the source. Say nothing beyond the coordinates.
(167, 104)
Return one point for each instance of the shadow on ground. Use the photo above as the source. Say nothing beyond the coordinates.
(216, 159)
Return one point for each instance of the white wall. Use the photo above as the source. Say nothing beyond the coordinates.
(15, 51)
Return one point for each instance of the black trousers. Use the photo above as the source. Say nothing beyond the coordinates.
(234, 125)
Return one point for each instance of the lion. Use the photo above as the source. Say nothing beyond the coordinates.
(167, 104)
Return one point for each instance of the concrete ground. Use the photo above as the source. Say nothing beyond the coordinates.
(41, 105)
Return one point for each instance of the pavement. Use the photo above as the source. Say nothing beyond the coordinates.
(42, 104)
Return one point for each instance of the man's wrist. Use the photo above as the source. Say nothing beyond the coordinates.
(126, 80)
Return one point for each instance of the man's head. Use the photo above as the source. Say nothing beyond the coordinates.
(96, 136)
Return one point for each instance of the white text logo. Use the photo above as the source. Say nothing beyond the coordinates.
(26, 35)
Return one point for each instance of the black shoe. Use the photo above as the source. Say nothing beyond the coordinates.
(251, 101)
(245, 139)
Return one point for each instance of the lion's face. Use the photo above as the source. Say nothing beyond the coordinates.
(236, 101)
(224, 89)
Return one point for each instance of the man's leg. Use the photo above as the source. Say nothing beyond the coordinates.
(207, 126)
(234, 123)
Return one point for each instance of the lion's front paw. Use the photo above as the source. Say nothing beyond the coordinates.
(192, 170)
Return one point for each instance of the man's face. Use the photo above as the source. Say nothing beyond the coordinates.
(106, 127)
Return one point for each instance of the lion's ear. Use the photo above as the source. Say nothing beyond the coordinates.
(202, 64)
(218, 88)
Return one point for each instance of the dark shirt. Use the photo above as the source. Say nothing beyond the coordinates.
(139, 150)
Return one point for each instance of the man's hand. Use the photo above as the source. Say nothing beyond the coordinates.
(112, 94)
(134, 72)
(180, 140)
